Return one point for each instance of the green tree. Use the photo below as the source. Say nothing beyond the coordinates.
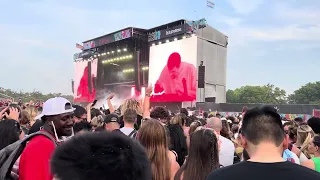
(32, 96)
(307, 94)
(257, 94)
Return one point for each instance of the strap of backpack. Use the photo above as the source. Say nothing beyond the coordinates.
(7, 166)
(43, 133)
(132, 133)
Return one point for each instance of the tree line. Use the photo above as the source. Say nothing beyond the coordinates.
(269, 94)
(35, 96)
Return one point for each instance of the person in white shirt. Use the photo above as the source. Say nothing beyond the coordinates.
(129, 118)
(227, 148)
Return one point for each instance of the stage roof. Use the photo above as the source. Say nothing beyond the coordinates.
(164, 26)
(139, 29)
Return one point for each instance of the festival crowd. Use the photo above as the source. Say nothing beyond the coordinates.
(61, 141)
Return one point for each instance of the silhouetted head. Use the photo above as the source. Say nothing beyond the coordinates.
(101, 155)
(173, 64)
(260, 126)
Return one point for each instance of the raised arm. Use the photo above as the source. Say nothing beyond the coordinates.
(111, 108)
(146, 103)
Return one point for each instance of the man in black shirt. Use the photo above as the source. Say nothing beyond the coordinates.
(264, 139)
(112, 123)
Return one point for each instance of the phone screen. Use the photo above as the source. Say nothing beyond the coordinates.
(94, 102)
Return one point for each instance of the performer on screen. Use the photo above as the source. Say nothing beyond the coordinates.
(83, 93)
(177, 78)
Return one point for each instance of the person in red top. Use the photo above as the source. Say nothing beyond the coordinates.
(83, 93)
(57, 116)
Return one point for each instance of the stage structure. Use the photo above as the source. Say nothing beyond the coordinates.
(121, 56)
(167, 56)
(197, 44)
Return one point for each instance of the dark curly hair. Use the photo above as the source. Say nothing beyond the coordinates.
(184, 111)
(159, 112)
(101, 156)
(314, 123)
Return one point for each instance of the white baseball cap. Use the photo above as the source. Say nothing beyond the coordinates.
(55, 106)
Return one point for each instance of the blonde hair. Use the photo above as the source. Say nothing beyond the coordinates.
(131, 104)
(177, 119)
(30, 113)
(97, 121)
(304, 137)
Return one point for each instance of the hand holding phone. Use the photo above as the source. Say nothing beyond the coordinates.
(110, 96)
(94, 103)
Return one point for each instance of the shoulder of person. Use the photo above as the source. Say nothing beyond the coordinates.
(226, 141)
(228, 172)
(172, 156)
(40, 143)
(295, 157)
(308, 163)
(305, 172)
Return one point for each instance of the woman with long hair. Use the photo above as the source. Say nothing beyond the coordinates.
(225, 131)
(203, 156)
(10, 132)
(314, 148)
(178, 141)
(152, 135)
(193, 126)
(304, 137)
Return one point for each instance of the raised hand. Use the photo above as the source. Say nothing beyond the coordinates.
(110, 96)
(2, 114)
(13, 114)
(149, 91)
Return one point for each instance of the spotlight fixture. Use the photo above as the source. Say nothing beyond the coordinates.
(98, 54)
(119, 50)
(145, 68)
(112, 52)
(108, 52)
(127, 70)
(125, 49)
(120, 58)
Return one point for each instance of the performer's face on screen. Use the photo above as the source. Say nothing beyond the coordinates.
(173, 72)
(174, 62)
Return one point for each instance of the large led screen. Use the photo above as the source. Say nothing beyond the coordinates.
(172, 71)
(82, 92)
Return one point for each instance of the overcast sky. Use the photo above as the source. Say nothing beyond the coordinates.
(270, 41)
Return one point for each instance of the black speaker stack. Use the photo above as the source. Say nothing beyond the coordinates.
(201, 74)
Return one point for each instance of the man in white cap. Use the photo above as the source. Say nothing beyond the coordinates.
(57, 116)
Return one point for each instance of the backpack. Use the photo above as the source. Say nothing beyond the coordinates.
(133, 134)
(10, 154)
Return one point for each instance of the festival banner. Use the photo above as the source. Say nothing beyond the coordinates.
(316, 113)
